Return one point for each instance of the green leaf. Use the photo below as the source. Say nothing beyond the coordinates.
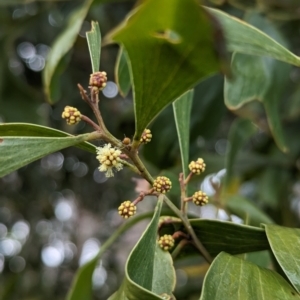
(145, 248)
(167, 58)
(285, 244)
(94, 43)
(17, 152)
(247, 210)
(61, 46)
(243, 4)
(15, 2)
(82, 283)
(233, 278)
(163, 273)
(244, 38)
(217, 236)
(182, 113)
(250, 72)
(261, 258)
(280, 10)
(205, 118)
(259, 78)
(240, 132)
(273, 184)
(163, 133)
(142, 267)
(293, 108)
(26, 129)
(122, 73)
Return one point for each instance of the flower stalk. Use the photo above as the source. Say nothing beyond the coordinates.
(109, 158)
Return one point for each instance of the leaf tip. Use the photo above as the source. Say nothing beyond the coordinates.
(94, 24)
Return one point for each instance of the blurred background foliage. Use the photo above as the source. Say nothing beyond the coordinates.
(56, 212)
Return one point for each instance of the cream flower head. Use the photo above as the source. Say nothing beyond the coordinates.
(109, 158)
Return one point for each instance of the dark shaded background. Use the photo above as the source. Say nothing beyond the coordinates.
(56, 212)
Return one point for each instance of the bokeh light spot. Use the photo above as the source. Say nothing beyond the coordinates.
(10, 247)
(36, 63)
(3, 230)
(55, 18)
(111, 90)
(52, 257)
(64, 210)
(98, 176)
(17, 264)
(89, 250)
(222, 146)
(2, 262)
(80, 170)
(20, 230)
(53, 162)
(99, 277)
(26, 50)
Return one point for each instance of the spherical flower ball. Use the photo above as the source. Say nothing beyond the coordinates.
(166, 242)
(200, 198)
(109, 158)
(72, 115)
(98, 80)
(127, 209)
(146, 136)
(197, 167)
(162, 184)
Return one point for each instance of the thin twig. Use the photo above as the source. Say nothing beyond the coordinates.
(133, 155)
(142, 195)
(178, 234)
(90, 122)
(93, 103)
(189, 229)
(188, 178)
(142, 170)
(183, 195)
(179, 247)
(130, 166)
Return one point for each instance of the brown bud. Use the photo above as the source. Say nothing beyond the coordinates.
(98, 80)
(126, 141)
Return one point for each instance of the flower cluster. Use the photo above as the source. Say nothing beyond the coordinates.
(200, 198)
(109, 158)
(98, 80)
(72, 115)
(166, 242)
(146, 136)
(162, 184)
(198, 166)
(127, 209)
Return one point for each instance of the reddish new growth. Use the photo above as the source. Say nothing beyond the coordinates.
(98, 81)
